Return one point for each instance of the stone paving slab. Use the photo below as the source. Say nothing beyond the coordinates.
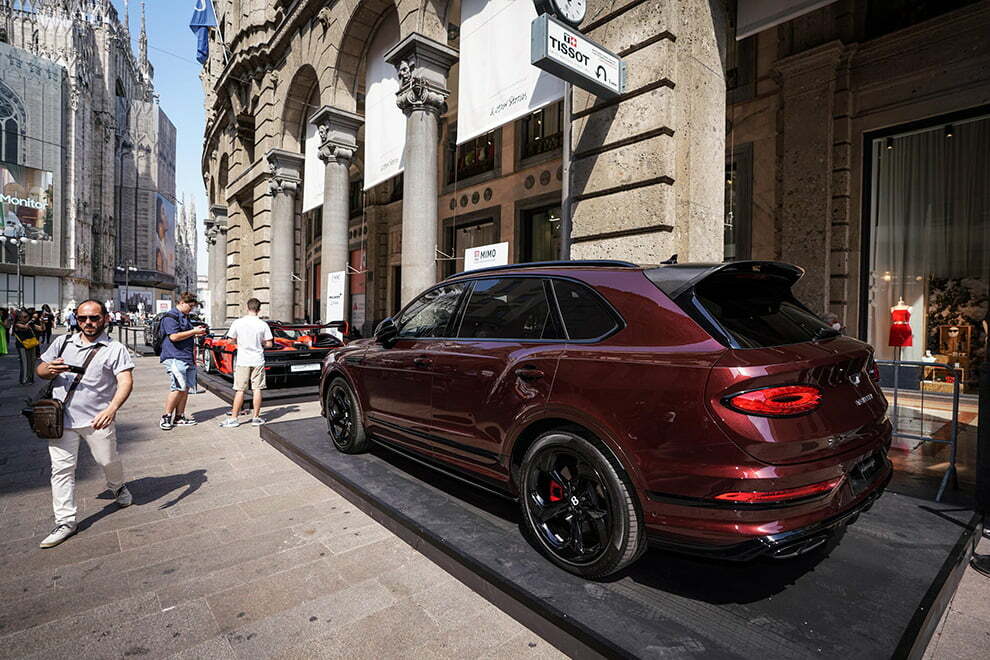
(229, 551)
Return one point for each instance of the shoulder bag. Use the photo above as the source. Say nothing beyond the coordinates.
(47, 415)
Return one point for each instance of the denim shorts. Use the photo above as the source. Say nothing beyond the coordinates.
(183, 375)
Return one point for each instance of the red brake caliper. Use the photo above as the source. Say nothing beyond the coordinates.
(556, 491)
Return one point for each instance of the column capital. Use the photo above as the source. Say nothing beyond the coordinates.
(422, 65)
(285, 168)
(338, 134)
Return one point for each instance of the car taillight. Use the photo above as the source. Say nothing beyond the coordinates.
(784, 495)
(779, 401)
(873, 370)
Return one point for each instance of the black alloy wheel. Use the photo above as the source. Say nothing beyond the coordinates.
(343, 422)
(577, 508)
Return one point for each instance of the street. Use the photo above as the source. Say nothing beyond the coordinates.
(229, 550)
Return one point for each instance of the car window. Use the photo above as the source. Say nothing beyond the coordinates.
(430, 314)
(585, 314)
(509, 308)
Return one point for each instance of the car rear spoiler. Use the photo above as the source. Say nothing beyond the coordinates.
(676, 279)
(343, 326)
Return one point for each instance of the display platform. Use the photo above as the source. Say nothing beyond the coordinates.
(224, 388)
(877, 591)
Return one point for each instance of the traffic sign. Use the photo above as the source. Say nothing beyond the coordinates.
(569, 55)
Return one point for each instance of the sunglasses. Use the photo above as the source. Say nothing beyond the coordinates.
(94, 319)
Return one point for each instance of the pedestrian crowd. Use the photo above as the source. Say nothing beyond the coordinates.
(90, 374)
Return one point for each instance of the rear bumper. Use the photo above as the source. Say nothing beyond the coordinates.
(790, 542)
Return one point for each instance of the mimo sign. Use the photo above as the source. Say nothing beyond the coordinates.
(569, 55)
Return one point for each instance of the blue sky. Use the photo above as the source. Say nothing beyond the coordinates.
(172, 51)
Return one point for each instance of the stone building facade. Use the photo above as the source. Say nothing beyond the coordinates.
(276, 66)
(857, 149)
(116, 149)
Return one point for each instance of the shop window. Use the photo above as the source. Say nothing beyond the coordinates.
(541, 131)
(465, 236)
(541, 234)
(886, 16)
(356, 199)
(509, 308)
(929, 247)
(738, 230)
(395, 194)
(740, 76)
(473, 158)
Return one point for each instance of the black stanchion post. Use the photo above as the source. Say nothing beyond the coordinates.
(982, 562)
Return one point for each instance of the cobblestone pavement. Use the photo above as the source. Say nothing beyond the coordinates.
(230, 550)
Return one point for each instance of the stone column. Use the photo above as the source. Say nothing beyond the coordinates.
(423, 65)
(338, 136)
(286, 168)
(216, 240)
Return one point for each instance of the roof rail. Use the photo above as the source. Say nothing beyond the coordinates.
(581, 263)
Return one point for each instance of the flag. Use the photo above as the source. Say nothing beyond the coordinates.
(202, 20)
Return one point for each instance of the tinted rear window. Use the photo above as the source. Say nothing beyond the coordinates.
(507, 308)
(755, 310)
(585, 315)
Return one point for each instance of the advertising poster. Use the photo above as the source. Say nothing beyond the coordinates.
(385, 123)
(162, 306)
(164, 239)
(313, 170)
(336, 295)
(497, 83)
(133, 296)
(26, 202)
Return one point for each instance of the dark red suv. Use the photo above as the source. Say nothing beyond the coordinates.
(699, 407)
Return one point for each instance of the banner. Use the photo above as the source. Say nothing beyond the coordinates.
(385, 124)
(313, 170)
(757, 15)
(26, 202)
(497, 84)
(164, 240)
(336, 294)
(483, 256)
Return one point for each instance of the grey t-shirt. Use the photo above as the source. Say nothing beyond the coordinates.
(98, 386)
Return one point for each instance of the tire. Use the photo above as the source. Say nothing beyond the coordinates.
(578, 509)
(344, 425)
(208, 360)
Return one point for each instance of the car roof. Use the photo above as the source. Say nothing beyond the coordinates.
(576, 264)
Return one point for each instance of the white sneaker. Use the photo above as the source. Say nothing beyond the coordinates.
(123, 497)
(60, 533)
(257, 421)
(230, 423)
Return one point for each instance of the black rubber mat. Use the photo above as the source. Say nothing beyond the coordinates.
(224, 388)
(876, 592)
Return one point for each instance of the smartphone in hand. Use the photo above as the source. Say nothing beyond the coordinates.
(74, 369)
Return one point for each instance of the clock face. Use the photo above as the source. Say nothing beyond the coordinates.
(571, 11)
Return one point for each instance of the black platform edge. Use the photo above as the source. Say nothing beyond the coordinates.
(920, 630)
(224, 389)
(537, 615)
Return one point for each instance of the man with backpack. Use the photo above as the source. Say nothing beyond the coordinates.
(176, 336)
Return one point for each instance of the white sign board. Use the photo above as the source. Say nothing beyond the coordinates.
(565, 52)
(496, 81)
(313, 169)
(483, 256)
(336, 294)
(162, 306)
(385, 124)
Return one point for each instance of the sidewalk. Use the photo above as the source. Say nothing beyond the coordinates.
(230, 550)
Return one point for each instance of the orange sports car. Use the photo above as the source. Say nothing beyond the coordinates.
(296, 355)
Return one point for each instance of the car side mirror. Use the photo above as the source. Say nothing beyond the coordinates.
(386, 333)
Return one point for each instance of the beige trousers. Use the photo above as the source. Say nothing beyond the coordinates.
(64, 453)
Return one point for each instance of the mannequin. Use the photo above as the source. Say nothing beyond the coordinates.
(900, 325)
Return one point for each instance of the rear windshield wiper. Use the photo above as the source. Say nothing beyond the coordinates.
(825, 333)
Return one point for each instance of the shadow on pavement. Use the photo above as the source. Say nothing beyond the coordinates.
(149, 489)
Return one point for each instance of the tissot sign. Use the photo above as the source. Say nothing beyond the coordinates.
(566, 53)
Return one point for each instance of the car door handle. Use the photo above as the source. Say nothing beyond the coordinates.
(529, 373)
(422, 361)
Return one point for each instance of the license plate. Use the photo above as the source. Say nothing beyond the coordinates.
(862, 475)
(305, 367)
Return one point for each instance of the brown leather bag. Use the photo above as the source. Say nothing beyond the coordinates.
(47, 415)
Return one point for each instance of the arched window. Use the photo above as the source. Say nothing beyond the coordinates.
(12, 121)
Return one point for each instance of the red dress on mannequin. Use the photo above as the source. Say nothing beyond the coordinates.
(900, 328)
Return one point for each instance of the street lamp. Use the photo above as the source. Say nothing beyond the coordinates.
(127, 269)
(19, 247)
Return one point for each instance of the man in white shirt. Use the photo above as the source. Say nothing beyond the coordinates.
(252, 336)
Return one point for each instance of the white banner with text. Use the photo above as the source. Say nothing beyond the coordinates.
(385, 123)
(497, 83)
